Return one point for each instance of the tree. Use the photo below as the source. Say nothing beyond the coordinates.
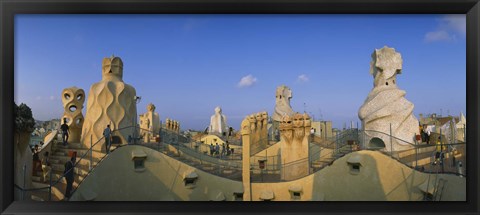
(24, 122)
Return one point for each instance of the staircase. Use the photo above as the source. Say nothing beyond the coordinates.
(59, 156)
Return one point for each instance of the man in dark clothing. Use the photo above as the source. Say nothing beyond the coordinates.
(107, 133)
(69, 175)
(36, 160)
(65, 131)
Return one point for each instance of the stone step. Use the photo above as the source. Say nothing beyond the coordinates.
(57, 175)
(60, 153)
(77, 170)
(70, 145)
(63, 159)
(80, 152)
(36, 178)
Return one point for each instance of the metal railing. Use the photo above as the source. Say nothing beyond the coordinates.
(173, 145)
(420, 156)
(76, 164)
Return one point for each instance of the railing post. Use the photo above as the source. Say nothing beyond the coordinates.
(336, 144)
(364, 145)
(91, 153)
(50, 187)
(24, 180)
(416, 152)
(391, 142)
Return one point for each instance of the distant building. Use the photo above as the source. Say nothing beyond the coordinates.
(448, 126)
(323, 129)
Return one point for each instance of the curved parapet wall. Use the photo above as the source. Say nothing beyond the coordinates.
(386, 109)
(110, 102)
(379, 178)
(162, 179)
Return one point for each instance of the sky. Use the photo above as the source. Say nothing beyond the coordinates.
(186, 65)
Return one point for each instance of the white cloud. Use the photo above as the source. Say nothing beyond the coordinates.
(449, 28)
(438, 36)
(247, 81)
(38, 98)
(302, 78)
(456, 22)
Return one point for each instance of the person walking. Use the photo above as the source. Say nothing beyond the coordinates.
(65, 131)
(107, 133)
(69, 175)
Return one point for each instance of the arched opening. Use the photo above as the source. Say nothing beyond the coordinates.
(72, 108)
(78, 121)
(376, 143)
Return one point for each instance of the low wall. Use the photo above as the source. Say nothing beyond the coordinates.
(115, 179)
(379, 178)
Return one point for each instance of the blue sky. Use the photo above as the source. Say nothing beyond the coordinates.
(188, 64)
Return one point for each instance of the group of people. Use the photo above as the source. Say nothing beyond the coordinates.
(40, 165)
(226, 150)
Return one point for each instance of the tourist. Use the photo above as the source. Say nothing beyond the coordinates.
(427, 130)
(423, 134)
(36, 160)
(223, 150)
(46, 166)
(312, 132)
(129, 139)
(107, 133)
(217, 149)
(439, 155)
(69, 175)
(212, 149)
(228, 150)
(65, 131)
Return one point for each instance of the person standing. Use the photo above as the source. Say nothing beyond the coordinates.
(46, 166)
(36, 160)
(69, 175)
(422, 133)
(427, 131)
(211, 149)
(65, 131)
(312, 132)
(223, 150)
(217, 149)
(107, 133)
